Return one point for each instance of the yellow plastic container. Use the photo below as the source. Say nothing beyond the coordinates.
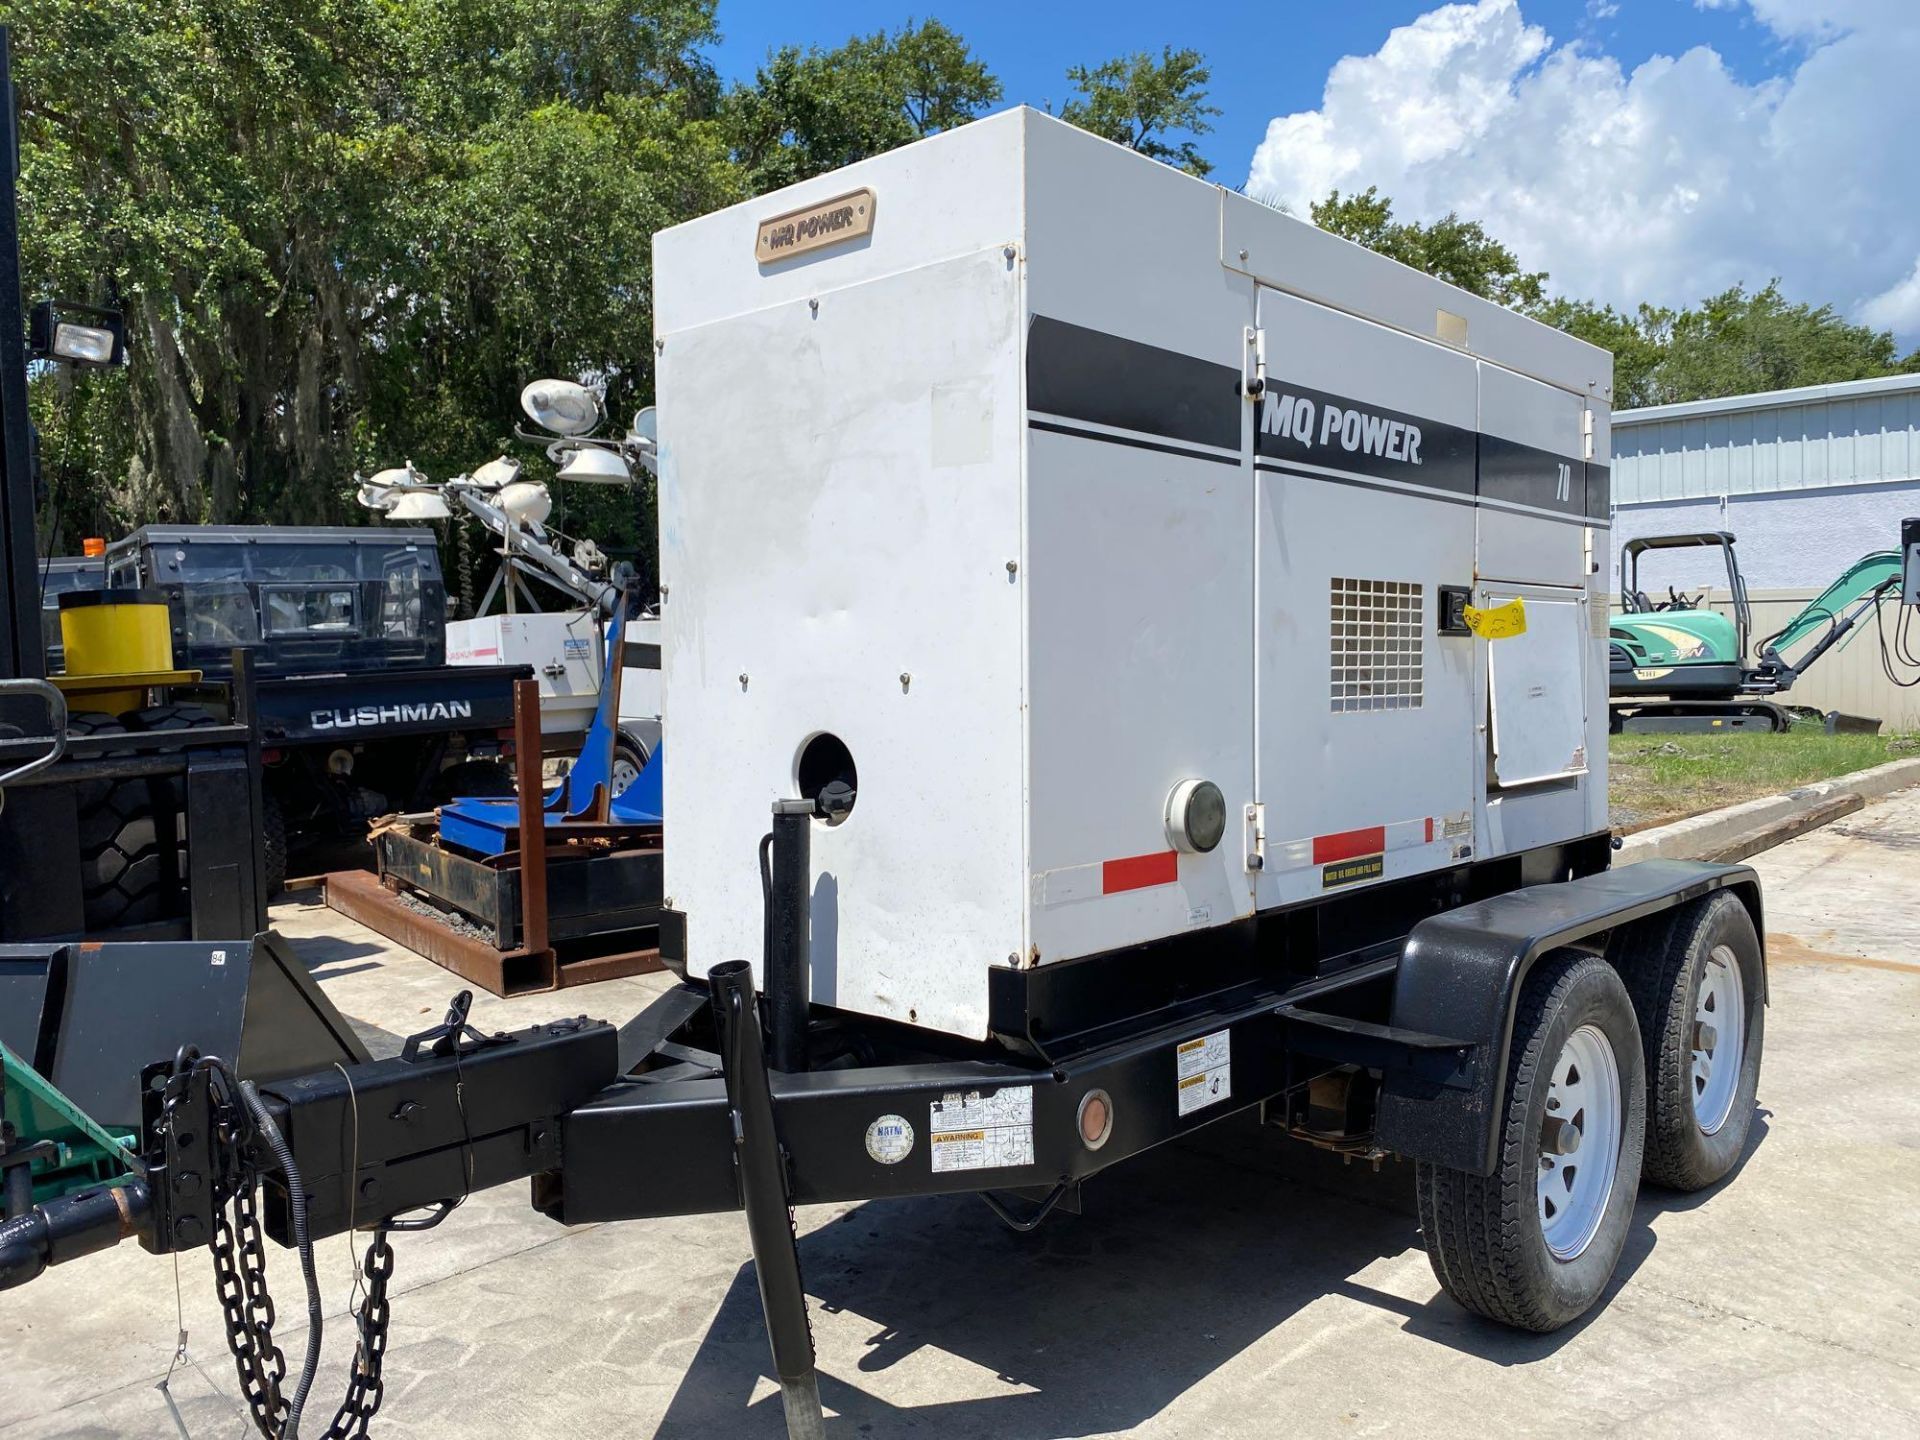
(116, 632)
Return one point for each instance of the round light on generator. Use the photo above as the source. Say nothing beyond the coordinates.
(1196, 816)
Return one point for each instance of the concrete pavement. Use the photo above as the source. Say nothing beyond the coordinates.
(1234, 1286)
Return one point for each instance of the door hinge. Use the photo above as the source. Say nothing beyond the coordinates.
(1256, 837)
(1586, 434)
(1253, 377)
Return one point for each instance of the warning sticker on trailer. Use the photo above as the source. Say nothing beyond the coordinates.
(1349, 872)
(1203, 1071)
(971, 1131)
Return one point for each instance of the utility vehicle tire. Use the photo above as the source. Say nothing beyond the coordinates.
(629, 759)
(478, 779)
(1534, 1244)
(1700, 977)
(93, 722)
(273, 843)
(170, 717)
(170, 794)
(123, 873)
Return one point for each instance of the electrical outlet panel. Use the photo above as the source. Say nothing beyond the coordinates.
(1910, 568)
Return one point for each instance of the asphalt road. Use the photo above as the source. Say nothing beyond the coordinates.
(1240, 1285)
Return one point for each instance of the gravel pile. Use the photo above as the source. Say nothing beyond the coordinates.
(452, 919)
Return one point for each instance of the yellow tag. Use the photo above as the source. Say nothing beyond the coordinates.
(1501, 622)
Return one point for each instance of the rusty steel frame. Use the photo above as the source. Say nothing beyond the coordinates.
(361, 897)
(531, 965)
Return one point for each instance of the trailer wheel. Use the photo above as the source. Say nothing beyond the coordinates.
(122, 878)
(1534, 1244)
(629, 759)
(1699, 986)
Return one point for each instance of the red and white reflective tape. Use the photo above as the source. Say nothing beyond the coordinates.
(1106, 877)
(1139, 872)
(1340, 845)
(1162, 867)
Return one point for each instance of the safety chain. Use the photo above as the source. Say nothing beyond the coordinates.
(365, 1388)
(240, 1277)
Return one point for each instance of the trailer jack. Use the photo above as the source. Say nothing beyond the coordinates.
(760, 1167)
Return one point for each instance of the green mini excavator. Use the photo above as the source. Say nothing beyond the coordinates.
(1675, 664)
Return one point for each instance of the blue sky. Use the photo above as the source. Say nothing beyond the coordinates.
(1637, 150)
(1268, 59)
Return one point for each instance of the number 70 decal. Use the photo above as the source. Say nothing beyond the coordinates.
(1563, 483)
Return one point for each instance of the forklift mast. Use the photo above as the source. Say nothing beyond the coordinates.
(21, 652)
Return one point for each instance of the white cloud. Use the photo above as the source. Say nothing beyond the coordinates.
(1664, 183)
(1897, 308)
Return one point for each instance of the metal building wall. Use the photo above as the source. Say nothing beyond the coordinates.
(1808, 479)
(1787, 539)
(1863, 432)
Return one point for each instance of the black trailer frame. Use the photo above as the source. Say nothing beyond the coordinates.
(1410, 997)
(1431, 1012)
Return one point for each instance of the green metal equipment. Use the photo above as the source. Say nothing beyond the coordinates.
(1675, 664)
(47, 1143)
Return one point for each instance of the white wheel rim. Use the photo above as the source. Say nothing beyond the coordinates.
(1579, 1143)
(1719, 1039)
(624, 773)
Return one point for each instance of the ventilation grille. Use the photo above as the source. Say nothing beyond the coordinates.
(1378, 640)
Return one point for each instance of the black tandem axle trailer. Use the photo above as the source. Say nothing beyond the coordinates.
(1405, 1020)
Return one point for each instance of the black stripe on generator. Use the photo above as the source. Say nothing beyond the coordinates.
(1089, 375)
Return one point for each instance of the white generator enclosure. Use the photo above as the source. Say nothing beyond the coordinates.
(562, 646)
(566, 649)
(1023, 482)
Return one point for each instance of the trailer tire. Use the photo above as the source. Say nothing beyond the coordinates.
(629, 759)
(1498, 1243)
(1704, 961)
(122, 875)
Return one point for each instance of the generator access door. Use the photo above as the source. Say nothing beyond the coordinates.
(1364, 460)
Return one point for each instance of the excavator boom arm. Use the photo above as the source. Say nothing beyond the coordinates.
(1826, 611)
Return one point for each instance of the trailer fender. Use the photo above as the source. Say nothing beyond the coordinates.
(1460, 975)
